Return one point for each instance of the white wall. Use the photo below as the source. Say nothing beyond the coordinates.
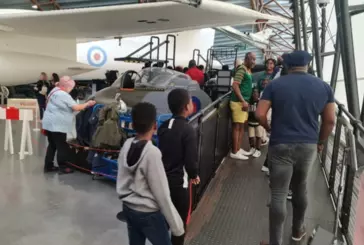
(186, 42)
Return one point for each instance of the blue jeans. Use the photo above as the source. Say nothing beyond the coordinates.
(288, 163)
(142, 226)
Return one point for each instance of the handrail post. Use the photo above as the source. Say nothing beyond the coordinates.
(349, 182)
(335, 151)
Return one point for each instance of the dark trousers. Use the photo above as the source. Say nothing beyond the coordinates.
(142, 226)
(181, 200)
(288, 163)
(57, 142)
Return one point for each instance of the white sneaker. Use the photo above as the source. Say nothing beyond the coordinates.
(265, 169)
(257, 153)
(238, 156)
(246, 153)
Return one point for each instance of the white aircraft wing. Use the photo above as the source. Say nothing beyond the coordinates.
(21, 68)
(129, 20)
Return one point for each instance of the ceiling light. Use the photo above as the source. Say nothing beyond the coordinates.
(35, 6)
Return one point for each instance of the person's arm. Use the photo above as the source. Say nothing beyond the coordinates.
(238, 78)
(327, 117)
(80, 107)
(71, 103)
(264, 105)
(190, 152)
(158, 184)
(327, 122)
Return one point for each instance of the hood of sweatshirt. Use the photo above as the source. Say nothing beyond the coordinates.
(134, 153)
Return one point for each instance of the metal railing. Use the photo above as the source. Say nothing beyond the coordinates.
(213, 128)
(345, 146)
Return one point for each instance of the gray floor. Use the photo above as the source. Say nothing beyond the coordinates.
(54, 209)
(234, 208)
(73, 209)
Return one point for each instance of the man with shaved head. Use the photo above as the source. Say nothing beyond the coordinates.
(242, 91)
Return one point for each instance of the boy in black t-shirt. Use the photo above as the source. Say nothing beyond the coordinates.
(178, 144)
(255, 130)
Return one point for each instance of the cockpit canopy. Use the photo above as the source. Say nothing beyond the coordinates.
(153, 77)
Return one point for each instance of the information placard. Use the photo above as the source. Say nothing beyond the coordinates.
(27, 104)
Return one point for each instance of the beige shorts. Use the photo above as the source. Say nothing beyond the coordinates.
(256, 132)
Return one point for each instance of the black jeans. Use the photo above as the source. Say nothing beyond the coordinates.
(181, 200)
(142, 226)
(57, 142)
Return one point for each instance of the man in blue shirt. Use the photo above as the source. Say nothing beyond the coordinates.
(297, 100)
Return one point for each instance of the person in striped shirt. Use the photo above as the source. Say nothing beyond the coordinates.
(239, 103)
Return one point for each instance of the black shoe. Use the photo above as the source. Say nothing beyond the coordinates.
(289, 196)
(52, 169)
(121, 216)
(298, 235)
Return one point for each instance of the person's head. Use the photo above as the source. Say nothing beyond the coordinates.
(55, 78)
(144, 116)
(179, 68)
(297, 61)
(270, 64)
(255, 94)
(238, 62)
(185, 69)
(250, 60)
(180, 102)
(43, 76)
(170, 67)
(201, 67)
(147, 64)
(66, 84)
(225, 67)
(160, 64)
(191, 64)
(265, 83)
(155, 65)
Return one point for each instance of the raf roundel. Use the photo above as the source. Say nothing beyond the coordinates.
(96, 56)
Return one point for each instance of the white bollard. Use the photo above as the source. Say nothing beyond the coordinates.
(8, 143)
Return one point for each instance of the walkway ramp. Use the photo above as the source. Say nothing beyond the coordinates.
(233, 210)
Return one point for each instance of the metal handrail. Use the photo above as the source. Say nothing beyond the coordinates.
(355, 122)
(210, 106)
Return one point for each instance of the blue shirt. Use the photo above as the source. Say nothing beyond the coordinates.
(58, 116)
(297, 101)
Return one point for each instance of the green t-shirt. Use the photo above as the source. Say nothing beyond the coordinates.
(246, 82)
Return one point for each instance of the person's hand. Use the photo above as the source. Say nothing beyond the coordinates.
(245, 106)
(91, 103)
(320, 147)
(196, 181)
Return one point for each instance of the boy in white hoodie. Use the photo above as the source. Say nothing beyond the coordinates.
(142, 184)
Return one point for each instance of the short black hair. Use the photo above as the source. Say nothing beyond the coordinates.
(247, 55)
(270, 59)
(143, 115)
(178, 99)
(55, 77)
(191, 64)
(201, 67)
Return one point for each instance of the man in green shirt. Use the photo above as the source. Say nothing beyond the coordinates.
(242, 92)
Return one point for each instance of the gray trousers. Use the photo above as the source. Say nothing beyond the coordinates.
(288, 162)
